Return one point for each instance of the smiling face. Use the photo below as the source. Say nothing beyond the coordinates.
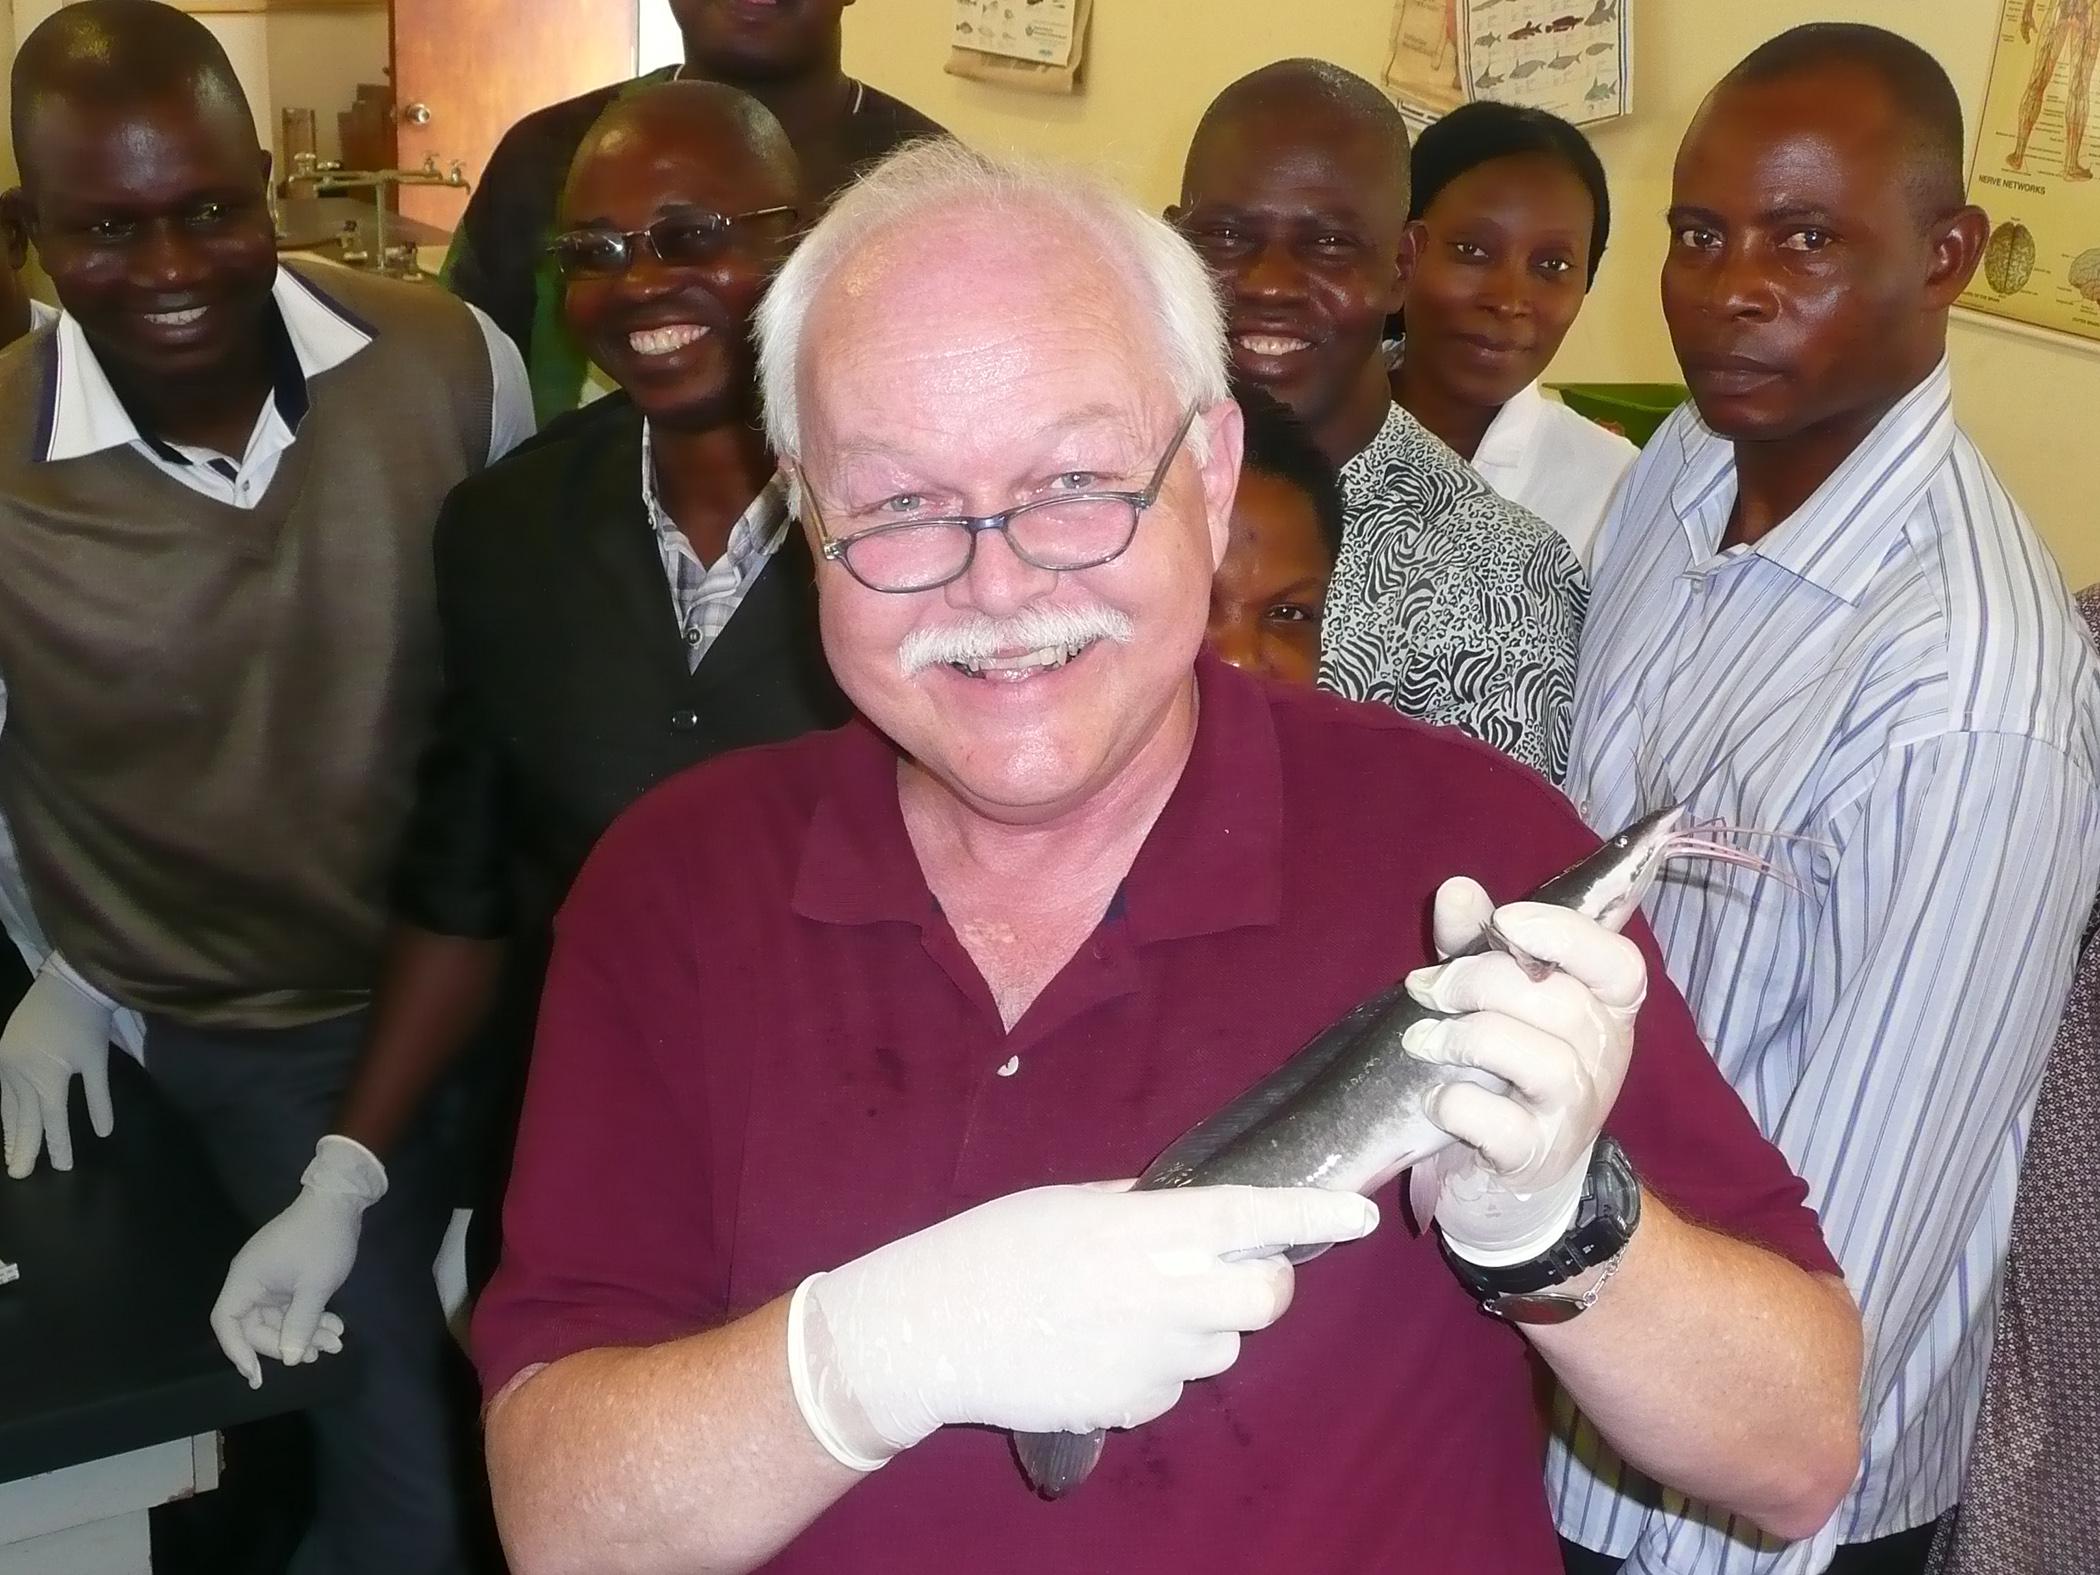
(1501, 264)
(1803, 285)
(1300, 210)
(755, 40)
(1010, 363)
(677, 336)
(152, 221)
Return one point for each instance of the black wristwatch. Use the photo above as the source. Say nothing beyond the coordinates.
(1604, 1223)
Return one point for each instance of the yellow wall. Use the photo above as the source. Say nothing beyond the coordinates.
(2033, 407)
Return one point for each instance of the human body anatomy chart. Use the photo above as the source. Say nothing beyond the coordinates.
(2037, 148)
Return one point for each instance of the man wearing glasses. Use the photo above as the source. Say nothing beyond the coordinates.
(835, 1032)
(784, 53)
(619, 600)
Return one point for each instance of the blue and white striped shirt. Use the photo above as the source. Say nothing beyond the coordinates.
(1896, 673)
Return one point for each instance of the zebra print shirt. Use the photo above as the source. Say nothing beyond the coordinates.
(1451, 604)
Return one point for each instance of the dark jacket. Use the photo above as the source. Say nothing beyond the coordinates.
(566, 697)
(566, 693)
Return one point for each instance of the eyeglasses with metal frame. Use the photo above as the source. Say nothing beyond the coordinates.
(676, 240)
(1062, 533)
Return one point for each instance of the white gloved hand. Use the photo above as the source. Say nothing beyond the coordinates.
(1561, 1043)
(59, 1031)
(1062, 1309)
(274, 1302)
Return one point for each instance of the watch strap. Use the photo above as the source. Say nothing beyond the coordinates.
(1604, 1222)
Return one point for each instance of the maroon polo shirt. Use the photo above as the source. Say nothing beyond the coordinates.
(763, 1052)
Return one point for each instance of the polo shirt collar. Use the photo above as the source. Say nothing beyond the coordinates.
(1510, 435)
(1841, 536)
(1213, 861)
(310, 333)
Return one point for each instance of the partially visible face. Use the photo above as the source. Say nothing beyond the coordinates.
(1007, 364)
(676, 336)
(14, 292)
(754, 40)
(1303, 220)
(154, 225)
(1797, 280)
(1266, 598)
(1501, 267)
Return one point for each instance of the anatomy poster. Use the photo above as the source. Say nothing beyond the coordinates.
(2036, 153)
(1423, 71)
(1573, 57)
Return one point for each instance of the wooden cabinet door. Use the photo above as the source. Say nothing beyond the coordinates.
(465, 71)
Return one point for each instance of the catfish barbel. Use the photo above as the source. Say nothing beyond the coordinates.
(1347, 1111)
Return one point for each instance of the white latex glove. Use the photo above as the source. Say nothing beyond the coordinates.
(1063, 1309)
(274, 1302)
(1561, 1043)
(58, 1032)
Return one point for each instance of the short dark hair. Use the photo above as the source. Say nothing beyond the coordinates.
(1319, 83)
(117, 52)
(1278, 444)
(1917, 84)
(1479, 133)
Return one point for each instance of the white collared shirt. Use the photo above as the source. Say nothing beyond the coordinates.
(1895, 680)
(86, 417)
(1561, 466)
(706, 596)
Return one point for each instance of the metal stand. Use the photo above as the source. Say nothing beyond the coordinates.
(327, 178)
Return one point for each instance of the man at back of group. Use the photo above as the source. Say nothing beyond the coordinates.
(216, 638)
(1448, 602)
(1818, 613)
(787, 55)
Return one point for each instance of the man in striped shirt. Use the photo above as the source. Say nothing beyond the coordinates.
(1817, 612)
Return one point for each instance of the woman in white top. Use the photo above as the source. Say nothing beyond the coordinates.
(1510, 216)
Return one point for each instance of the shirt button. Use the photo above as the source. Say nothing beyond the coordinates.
(692, 637)
(684, 721)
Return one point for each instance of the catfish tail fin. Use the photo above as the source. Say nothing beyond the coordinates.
(1056, 1463)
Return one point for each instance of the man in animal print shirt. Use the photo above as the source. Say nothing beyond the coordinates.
(1448, 602)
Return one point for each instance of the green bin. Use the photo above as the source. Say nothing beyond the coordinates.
(1635, 409)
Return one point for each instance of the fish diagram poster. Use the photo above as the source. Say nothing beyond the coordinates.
(1573, 57)
(1037, 30)
(2036, 155)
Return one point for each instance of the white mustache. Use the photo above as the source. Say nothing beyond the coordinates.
(1032, 629)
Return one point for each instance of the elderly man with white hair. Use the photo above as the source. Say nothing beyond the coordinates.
(841, 1036)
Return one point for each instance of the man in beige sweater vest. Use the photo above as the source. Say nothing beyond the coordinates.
(218, 478)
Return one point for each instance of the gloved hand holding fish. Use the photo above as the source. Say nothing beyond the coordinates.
(1071, 1307)
(1510, 1185)
(1067, 1310)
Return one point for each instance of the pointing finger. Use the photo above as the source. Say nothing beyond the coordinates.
(1278, 1217)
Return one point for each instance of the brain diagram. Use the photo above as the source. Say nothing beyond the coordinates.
(2008, 261)
(2085, 274)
